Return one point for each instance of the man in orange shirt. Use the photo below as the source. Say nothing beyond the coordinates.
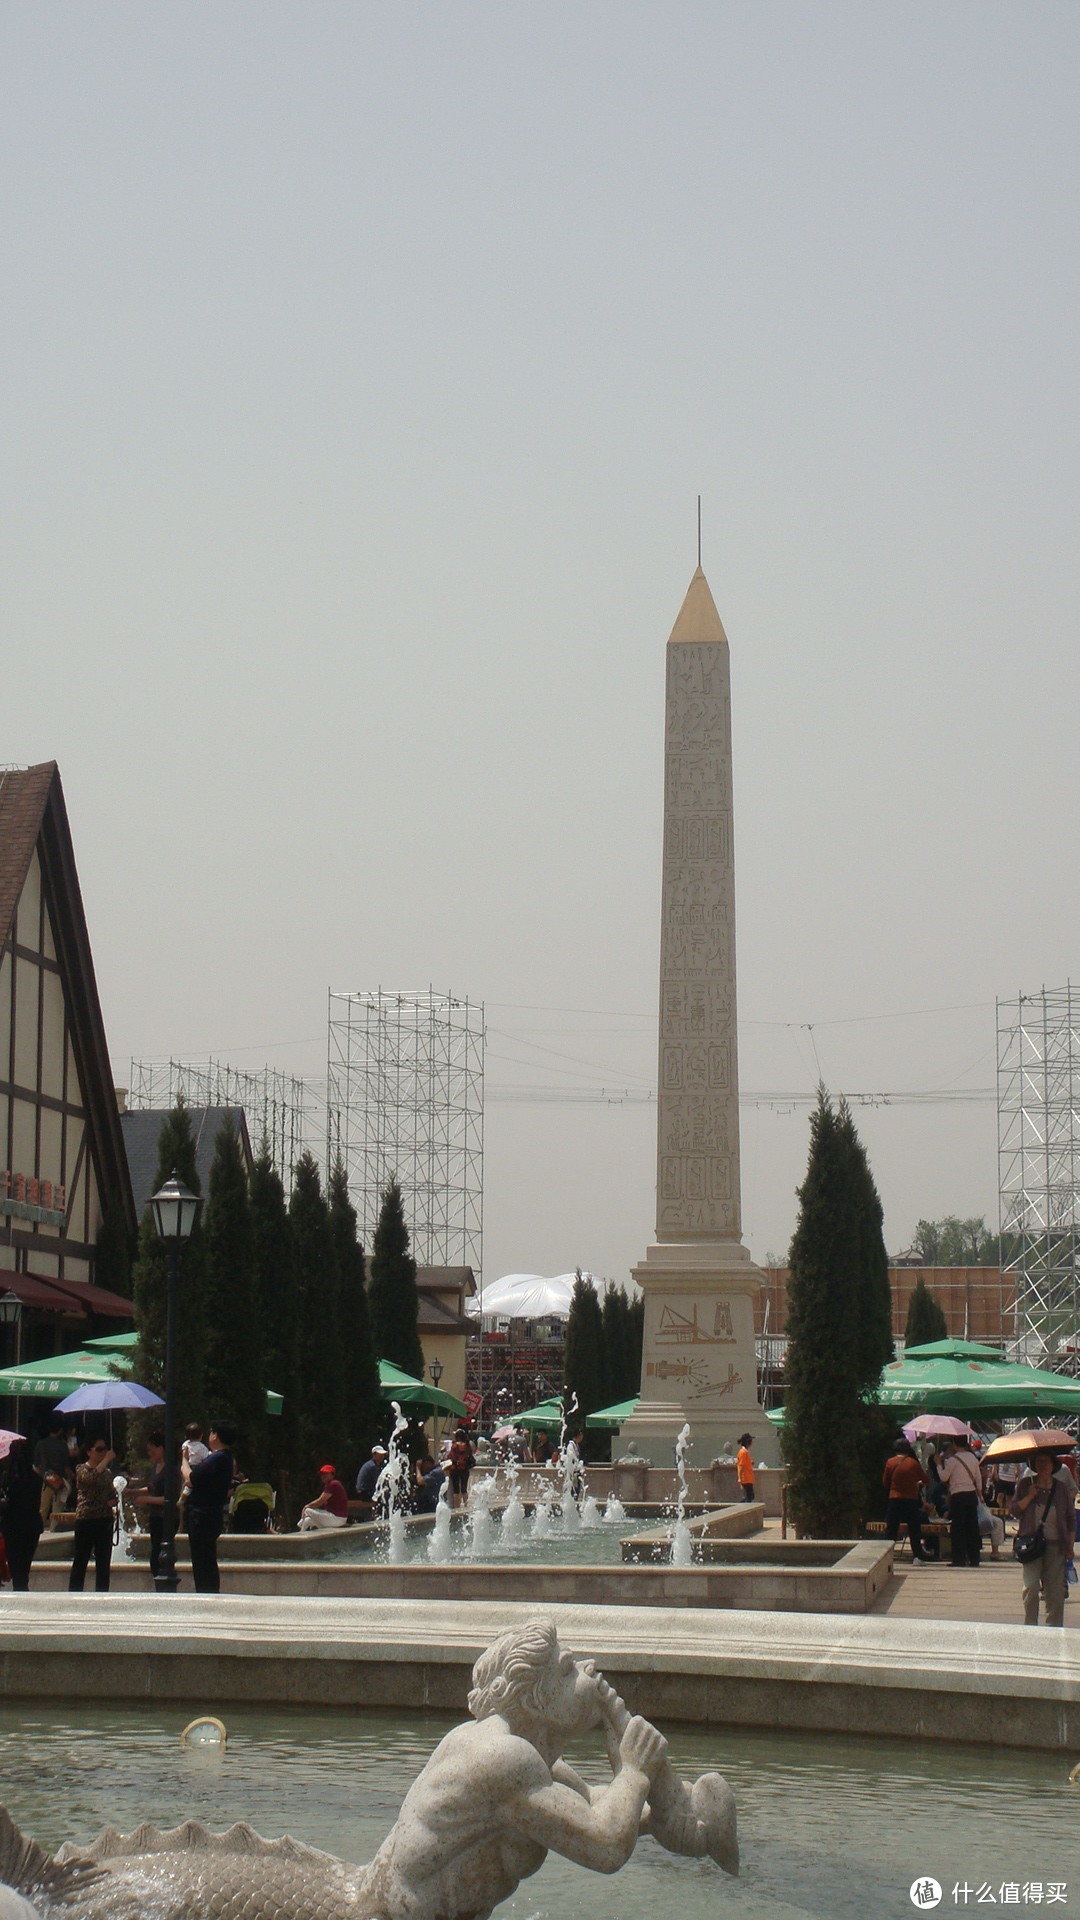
(904, 1480)
(745, 1466)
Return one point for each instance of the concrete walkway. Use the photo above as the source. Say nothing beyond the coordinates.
(989, 1594)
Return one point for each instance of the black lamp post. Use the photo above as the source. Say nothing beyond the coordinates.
(435, 1368)
(175, 1213)
(10, 1316)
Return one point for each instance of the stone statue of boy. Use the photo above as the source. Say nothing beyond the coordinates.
(496, 1795)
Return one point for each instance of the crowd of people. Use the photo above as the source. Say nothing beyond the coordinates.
(952, 1487)
(64, 1477)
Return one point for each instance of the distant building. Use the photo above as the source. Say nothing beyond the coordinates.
(442, 1322)
(141, 1131)
(63, 1170)
(979, 1303)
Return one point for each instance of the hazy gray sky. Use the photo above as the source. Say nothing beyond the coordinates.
(361, 366)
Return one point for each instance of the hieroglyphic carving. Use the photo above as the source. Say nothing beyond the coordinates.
(697, 1174)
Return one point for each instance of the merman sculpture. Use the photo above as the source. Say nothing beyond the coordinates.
(494, 1797)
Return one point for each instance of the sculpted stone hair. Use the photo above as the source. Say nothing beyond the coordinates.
(516, 1672)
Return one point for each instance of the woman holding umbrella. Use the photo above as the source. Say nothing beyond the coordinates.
(1045, 1505)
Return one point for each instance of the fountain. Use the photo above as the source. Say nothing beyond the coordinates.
(614, 1511)
(439, 1542)
(590, 1513)
(480, 1524)
(124, 1534)
(494, 1791)
(393, 1488)
(543, 1520)
(513, 1519)
(682, 1545)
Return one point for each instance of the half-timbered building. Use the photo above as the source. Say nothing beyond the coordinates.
(62, 1161)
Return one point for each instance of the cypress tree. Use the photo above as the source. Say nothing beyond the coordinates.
(584, 1358)
(392, 1297)
(176, 1153)
(823, 1400)
(362, 1407)
(613, 1343)
(873, 1297)
(873, 1307)
(622, 1346)
(635, 1314)
(232, 1370)
(322, 1376)
(925, 1319)
(277, 1305)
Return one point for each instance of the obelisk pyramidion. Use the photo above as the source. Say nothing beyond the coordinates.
(699, 1282)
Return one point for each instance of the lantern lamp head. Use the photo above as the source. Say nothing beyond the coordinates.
(176, 1209)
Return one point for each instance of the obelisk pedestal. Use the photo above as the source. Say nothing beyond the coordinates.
(699, 1282)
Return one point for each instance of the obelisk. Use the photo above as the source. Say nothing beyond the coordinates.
(699, 1282)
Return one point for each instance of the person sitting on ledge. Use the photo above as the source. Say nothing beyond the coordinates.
(429, 1485)
(367, 1480)
(330, 1509)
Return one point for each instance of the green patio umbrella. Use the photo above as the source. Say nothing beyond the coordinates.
(612, 1416)
(549, 1415)
(107, 1353)
(408, 1391)
(56, 1377)
(995, 1387)
(953, 1350)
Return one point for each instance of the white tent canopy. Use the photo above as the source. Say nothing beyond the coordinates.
(528, 1296)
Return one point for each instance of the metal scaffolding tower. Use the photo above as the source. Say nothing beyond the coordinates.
(1039, 1171)
(276, 1104)
(405, 1101)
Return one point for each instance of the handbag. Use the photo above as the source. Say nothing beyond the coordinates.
(1032, 1546)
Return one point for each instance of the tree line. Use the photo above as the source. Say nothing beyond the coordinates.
(274, 1294)
(955, 1242)
(602, 1362)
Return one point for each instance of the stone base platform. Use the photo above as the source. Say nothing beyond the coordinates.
(851, 1585)
(1004, 1686)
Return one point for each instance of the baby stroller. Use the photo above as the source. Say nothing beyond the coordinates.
(251, 1508)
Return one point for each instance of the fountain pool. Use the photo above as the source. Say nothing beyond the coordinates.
(598, 1546)
(831, 1827)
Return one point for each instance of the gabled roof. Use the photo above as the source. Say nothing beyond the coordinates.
(433, 1315)
(447, 1277)
(141, 1130)
(24, 794)
(33, 815)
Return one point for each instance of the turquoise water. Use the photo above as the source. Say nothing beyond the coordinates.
(590, 1547)
(829, 1826)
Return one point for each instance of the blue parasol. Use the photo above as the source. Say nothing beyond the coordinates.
(104, 1396)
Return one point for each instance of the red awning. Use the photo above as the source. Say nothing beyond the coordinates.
(38, 1293)
(73, 1297)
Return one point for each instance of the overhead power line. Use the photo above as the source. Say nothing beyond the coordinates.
(523, 1096)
